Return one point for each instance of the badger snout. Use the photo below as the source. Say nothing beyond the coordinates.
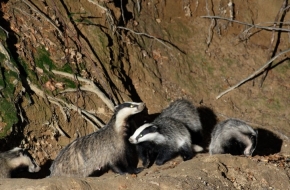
(33, 169)
(141, 106)
(132, 140)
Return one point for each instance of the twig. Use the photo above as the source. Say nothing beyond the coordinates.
(138, 6)
(8, 62)
(144, 34)
(122, 12)
(69, 106)
(271, 49)
(5, 31)
(41, 14)
(232, 11)
(247, 24)
(212, 24)
(108, 13)
(90, 86)
(252, 75)
(60, 107)
(81, 111)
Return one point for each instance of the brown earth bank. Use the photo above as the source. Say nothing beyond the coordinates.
(155, 52)
(202, 172)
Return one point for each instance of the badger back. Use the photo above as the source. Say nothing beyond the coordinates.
(184, 111)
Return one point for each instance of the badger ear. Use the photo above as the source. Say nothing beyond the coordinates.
(154, 128)
(21, 152)
(115, 108)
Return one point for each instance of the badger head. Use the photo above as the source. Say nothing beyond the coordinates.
(147, 132)
(22, 158)
(125, 110)
(252, 138)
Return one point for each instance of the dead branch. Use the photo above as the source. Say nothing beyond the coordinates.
(8, 62)
(254, 74)
(144, 34)
(212, 24)
(248, 24)
(7, 34)
(41, 14)
(271, 49)
(87, 116)
(81, 112)
(89, 86)
(108, 14)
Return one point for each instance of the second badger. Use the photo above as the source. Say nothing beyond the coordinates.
(174, 131)
(164, 138)
(106, 148)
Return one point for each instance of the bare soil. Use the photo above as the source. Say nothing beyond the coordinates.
(161, 51)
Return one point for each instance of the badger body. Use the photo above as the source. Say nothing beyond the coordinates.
(164, 138)
(233, 136)
(185, 112)
(107, 148)
(15, 159)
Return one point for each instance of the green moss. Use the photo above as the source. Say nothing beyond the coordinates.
(67, 68)
(3, 35)
(283, 67)
(42, 60)
(274, 104)
(2, 57)
(8, 114)
(229, 62)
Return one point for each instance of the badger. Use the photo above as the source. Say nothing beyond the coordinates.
(184, 111)
(164, 138)
(233, 136)
(15, 159)
(107, 148)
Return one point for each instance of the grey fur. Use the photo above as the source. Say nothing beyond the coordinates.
(233, 136)
(184, 111)
(16, 158)
(108, 147)
(168, 136)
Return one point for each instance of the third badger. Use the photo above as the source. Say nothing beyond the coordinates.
(173, 132)
(233, 136)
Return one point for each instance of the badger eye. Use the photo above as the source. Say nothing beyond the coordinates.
(131, 106)
(140, 135)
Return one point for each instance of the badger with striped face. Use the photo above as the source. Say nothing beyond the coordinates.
(184, 111)
(234, 137)
(14, 159)
(107, 148)
(163, 139)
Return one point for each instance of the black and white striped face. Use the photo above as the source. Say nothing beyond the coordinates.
(21, 158)
(252, 143)
(147, 132)
(123, 111)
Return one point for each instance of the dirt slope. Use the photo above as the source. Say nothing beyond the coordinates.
(150, 51)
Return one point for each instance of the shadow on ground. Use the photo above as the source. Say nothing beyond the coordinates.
(268, 143)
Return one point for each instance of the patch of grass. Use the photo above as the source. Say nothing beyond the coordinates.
(283, 67)
(229, 62)
(3, 35)
(43, 60)
(2, 57)
(67, 68)
(8, 114)
(274, 104)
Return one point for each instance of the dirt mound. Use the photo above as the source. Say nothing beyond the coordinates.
(69, 63)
